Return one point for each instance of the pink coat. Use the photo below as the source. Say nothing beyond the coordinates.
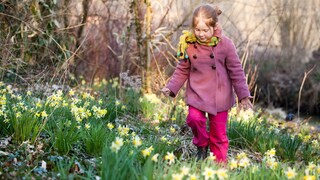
(211, 74)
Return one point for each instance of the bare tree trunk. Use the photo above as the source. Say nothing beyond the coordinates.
(296, 25)
(136, 5)
(85, 6)
(147, 83)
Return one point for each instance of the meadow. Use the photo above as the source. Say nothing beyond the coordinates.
(112, 132)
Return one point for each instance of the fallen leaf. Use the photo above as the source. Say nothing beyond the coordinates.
(4, 153)
(43, 164)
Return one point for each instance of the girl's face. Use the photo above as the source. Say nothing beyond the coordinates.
(203, 32)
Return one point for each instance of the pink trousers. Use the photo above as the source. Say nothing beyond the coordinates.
(216, 138)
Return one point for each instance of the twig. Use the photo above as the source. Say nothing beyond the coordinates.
(304, 79)
(17, 75)
(39, 30)
(165, 14)
(157, 65)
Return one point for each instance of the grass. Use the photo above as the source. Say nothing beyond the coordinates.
(80, 135)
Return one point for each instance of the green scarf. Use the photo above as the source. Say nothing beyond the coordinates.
(187, 38)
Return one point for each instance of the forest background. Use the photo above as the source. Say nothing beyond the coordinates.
(66, 42)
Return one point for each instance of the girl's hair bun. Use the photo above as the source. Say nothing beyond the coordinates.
(218, 10)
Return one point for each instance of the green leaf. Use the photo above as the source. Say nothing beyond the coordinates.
(148, 169)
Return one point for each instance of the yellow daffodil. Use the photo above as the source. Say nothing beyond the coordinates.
(152, 98)
(208, 173)
(18, 114)
(68, 123)
(155, 157)
(193, 177)
(71, 92)
(311, 166)
(98, 112)
(211, 157)
(272, 163)
(184, 170)
(177, 176)
(259, 120)
(306, 138)
(315, 144)
(146, 152)
(116, 145)
(86, 96)
(44, 114)
(309, 177)
(172, 129)
(163, 139)
(29, 93)
(233, 164)
(222, 173)
(19, 98)
(170, 157)
(271, 152)
(137, 141)
(38, 104)
(115, 83)
(3, 100)
(241, 155)
(87, 126)
(244, 162)
(245, 115)
(119, 141)
(123, 130)
(233, 112)
(65, 104)
(110, 126)
(290, 173)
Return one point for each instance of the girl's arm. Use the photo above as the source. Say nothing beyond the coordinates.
(237, 75)
(178, 78)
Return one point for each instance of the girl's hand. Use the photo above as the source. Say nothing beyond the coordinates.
(245, 103)
(166, 91)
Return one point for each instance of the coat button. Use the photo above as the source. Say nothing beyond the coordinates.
(194, 56)
(195, 46)
(211, 56)
(213, 66)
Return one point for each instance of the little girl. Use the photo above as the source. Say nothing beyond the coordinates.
(210, 65)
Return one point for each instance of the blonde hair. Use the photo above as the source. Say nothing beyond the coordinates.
(208, 12)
